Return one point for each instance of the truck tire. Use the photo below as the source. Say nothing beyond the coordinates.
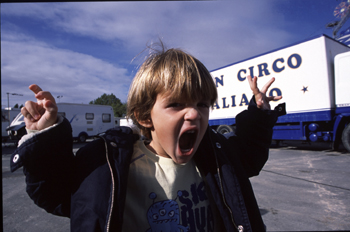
(82, 138)
(223, 129)
(346, 137)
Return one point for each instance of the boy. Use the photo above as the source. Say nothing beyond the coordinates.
(185, 178)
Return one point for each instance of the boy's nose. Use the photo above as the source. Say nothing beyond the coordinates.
(192, 114)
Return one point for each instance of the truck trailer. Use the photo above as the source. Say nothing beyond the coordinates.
(313, 76)
(87, 120)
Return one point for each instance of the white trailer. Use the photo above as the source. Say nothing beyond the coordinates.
(312, 76)
(87, 120)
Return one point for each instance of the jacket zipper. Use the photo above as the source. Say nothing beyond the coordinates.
(239, 228)
(113, 188)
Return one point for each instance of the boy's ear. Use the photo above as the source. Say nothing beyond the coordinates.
(146, 123)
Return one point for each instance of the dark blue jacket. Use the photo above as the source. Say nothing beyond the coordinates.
(90, 187)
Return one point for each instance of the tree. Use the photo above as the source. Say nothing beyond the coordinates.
(16, 106)
(119, 108)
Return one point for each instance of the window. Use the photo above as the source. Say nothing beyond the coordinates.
(89, 116)
(106, 117)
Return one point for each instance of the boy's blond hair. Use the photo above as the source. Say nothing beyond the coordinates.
(172, 72)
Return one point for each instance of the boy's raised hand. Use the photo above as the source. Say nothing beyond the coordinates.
(262, 101)
(41, 114)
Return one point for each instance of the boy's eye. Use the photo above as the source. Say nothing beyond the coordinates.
(174, 105)
(178, 105)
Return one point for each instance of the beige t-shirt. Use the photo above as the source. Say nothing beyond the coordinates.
(165, 196)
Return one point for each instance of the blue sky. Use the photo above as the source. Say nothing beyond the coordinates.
(80, 50)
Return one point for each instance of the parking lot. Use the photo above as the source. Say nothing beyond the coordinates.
(301, 188)
(304, 189)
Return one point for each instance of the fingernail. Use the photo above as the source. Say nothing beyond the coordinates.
(37, 116)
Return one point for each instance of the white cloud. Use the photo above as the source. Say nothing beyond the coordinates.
(202, 27)
(216, 32)
(78, 77)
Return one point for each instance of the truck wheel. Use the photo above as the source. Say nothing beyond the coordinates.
(82, 138)
(223, 129)
(346, 137)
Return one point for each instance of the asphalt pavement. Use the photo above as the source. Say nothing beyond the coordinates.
(300, 189)
(304, 189)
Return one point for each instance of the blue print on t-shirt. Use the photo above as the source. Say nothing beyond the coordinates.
(164, 215)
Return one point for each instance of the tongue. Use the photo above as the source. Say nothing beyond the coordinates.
(186, 141)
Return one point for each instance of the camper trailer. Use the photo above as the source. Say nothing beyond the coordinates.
(86, 120)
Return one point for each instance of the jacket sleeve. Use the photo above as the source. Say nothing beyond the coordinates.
(48, 161)
(254, 129)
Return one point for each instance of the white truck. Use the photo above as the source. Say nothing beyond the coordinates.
(313, 76)
(87, 120)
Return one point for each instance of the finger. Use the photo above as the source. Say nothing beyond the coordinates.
(267, 85)
(27, 117)
(274, 98)
(250, 79)
(31, 111)
(253, 82)
(50, 106)
(45, 95)
(50, 115)
(26, 114)
(35, 88)
(256, 90)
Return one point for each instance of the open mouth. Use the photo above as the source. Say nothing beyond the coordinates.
(187, 141)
